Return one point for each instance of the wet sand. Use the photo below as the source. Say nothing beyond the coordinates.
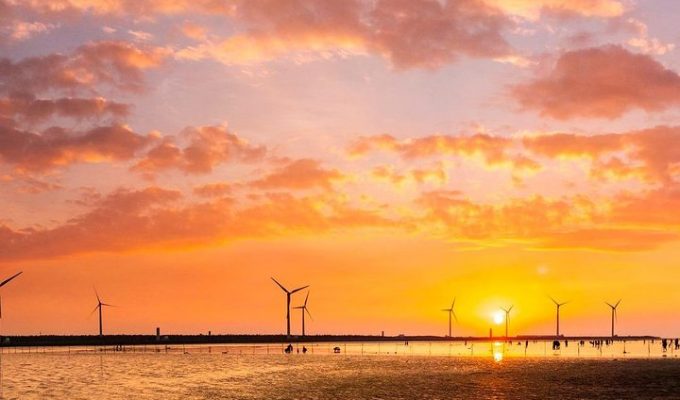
(278, 376)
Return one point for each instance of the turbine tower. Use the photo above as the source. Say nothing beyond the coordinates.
(507, 318)
(614, 317)
(99, 306)
(451, 312)
(288, 294)
(303, 308)
(558, 305)
(3, 283)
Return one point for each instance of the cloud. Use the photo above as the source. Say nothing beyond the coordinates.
(116, 64)
(157, 218)
(600, 82)
(299, 174)
(643, 42)
(26, 184)
(651, 154)
(139, 8)
(22, 30)
(408, 33)
(29, 109)
(494, 150)
(200, 151)
(534, 8)
(55, 147)
(213, 190)
(436, 174)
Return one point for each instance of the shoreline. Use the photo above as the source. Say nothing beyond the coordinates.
(131, 340)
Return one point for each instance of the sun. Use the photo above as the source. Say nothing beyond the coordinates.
(498, 317)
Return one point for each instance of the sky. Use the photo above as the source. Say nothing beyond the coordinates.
(392, 154)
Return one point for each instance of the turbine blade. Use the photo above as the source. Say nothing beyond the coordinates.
(454, 315)
(308, 313)
(108, 305)
(446, 309)
(553, 300)
(609, 304)
(298, 289)
(453, 304)
(298, 307)
(280, 285)
(617, 303)
(510, 309)
(6, 281)
(96, 294)
(306, 298)
(92, 312)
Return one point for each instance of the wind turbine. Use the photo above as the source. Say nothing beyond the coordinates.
(288, 294)
(507, 318)
(451, 312)
(303, 308)
(614, 317)
(99, 306)
(3, 283)
(558, 305)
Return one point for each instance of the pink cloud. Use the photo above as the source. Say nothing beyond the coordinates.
(600, 82)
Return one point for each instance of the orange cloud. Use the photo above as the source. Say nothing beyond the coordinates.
(299, 174)
(408, 33)
(600, 82)
(494, 150)
(207, 147)
(213, 190)
(155, 217)
(534, 8)
(651, 154)
(420, 175)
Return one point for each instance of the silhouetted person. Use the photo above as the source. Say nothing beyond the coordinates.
(664, 344)
(304, 350)
(556, 345)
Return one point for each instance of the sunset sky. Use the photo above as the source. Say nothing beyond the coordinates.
(392, 154)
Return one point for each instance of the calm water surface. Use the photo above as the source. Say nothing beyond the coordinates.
(216, 375)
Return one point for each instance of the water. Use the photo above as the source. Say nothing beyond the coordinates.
(248, 372)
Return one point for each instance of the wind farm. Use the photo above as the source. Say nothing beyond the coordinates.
(288, 293)
(288, 337)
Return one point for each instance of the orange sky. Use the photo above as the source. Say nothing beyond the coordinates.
(391, 154)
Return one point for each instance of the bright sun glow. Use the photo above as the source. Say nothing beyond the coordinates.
(498, 317)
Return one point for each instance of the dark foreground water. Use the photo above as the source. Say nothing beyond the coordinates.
(277, 376)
